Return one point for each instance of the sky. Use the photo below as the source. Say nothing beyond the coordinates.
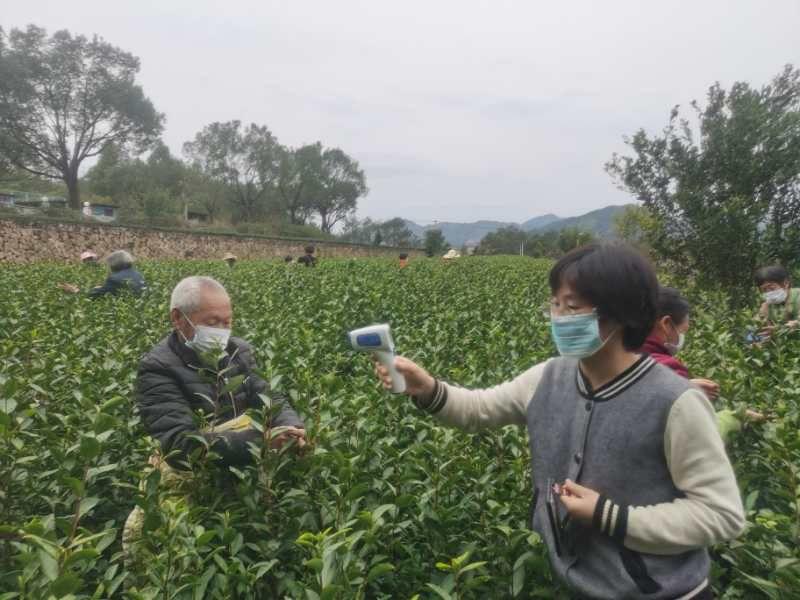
(456, 110)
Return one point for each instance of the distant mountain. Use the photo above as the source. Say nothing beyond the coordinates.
(539, 222)
(600, 222)
(458, 234)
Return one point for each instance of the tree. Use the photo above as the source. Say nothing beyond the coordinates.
(166, 171)
(636, 226)
(434, 242)
(246, 160)
(299, 179)
(341, 184)
(208, 194)
(570, 238)
(151, 188)
(396, 233)
(63, 99)
(724, 193)
(359, 232)
(506, 240)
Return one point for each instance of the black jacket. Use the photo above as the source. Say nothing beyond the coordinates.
(126, 279)
(169, 396)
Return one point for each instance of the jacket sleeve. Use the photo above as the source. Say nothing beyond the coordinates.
(286, 415)
(167, 416)
(473, 410)
(711, 510)
(109, 287)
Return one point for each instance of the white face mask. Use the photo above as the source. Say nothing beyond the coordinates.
(775, 296)
(675, 348)
(208, 338)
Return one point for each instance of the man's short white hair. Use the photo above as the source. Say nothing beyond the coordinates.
(188, 294)
(119, 260)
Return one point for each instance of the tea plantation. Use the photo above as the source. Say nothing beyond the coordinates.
(386, 504)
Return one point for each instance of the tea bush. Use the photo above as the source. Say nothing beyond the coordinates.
(387, 504)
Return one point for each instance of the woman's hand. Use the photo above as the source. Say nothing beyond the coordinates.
(710, 388)
(580, 501)
(419, 382)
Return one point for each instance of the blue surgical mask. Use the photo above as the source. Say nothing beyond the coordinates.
(576, 336)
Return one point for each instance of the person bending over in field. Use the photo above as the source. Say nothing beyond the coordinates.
(781, 306)
(631, 482)
(171, 391)
(308, 259)
(229, 259)
(667, 338)
(122, 277)
(89, 258)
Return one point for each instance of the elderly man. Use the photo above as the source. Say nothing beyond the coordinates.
(171, 391)
(123, 277)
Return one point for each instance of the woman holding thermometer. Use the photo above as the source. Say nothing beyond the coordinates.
(631, 482)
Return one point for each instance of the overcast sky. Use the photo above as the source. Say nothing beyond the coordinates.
(457, 110)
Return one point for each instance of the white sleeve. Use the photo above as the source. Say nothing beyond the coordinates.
(505, 404)
(712, 510)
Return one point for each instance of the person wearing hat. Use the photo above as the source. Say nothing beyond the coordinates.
(230, 259)
(88, 257)
(452, 254)
(308, 259)
(122, 277)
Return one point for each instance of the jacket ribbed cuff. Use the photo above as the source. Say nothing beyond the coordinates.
(435, 402)
(610, 518)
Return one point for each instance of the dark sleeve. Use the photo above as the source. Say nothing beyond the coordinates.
(109, 287)
(286, 416)
(167, 416)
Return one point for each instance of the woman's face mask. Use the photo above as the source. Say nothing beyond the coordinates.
(775, 296)
(207, 338)
(677, 347)
(577, 336)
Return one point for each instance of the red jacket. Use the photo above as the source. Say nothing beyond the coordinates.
(656, 348)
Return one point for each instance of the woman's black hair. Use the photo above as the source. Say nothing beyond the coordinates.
(619, 282)
(671, 304)
(309, 249)
(771, 274)
(404, 255)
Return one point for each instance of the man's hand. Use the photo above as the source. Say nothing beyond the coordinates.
(710, 388)
(69, 288)
(792, 324)
(580, 501)
(290, 433)
(418, 381)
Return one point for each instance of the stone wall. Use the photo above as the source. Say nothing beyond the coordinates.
(32, 240)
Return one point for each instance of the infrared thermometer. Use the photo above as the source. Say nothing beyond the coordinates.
(378, 340)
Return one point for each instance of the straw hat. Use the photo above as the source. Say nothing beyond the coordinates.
(229, 256)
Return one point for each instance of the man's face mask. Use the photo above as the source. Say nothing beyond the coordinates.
(577, 336)
(775, 296)
(207, 338)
